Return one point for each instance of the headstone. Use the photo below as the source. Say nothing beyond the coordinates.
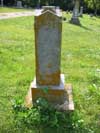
(39, 3)
(48, 48)
(19, 4)
(91, 15)
(2, 3)
(75, 19)
(81, 12)
(25, 6)
(48, 37)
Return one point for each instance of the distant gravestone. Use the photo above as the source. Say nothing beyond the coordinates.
(75, 19)
(48, 37)
(19, 4)
(39, 3)
(25, 6)
(91, 15)
(2, 3)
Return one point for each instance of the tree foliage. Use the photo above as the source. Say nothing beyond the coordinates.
(93, 4)
(64, 4)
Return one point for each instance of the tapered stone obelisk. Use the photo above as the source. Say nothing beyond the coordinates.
(75, 16)
(48, 37)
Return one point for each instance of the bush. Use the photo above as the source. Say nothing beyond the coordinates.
(44, 117)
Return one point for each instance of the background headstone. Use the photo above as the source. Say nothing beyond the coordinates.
(19, 4)
(2, 3)
(75, 19)
(25, 6)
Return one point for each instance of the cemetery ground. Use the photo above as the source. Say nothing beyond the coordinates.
(80, 64)
(7, 10)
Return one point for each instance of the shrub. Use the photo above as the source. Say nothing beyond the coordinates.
(43, 115)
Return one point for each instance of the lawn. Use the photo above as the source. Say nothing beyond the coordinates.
(80, 64)
(7, 10)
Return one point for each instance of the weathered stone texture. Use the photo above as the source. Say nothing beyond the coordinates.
(48, 29)
(48, 32)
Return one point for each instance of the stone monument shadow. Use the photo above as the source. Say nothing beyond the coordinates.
(82, 26)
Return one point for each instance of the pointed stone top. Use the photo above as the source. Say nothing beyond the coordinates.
(51, 9)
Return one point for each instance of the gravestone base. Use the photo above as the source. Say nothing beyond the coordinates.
(60, 96)
(75, 21)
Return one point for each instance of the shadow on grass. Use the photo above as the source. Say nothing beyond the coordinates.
(81, 26)
(84, 27)
(98, 17)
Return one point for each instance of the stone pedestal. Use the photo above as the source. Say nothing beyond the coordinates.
(60, 95)
(48, 36)
(75, 20)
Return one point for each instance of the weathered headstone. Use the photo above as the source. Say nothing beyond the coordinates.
(19, 4)
(75, 19)
(48, 43)
(48, 36)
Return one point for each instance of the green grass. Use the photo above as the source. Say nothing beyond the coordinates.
(80, 64)
(7, 10)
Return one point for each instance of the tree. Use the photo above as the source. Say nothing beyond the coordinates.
(93, 4)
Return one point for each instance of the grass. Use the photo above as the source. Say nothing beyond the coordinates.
(7, 10)
(80, 64)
